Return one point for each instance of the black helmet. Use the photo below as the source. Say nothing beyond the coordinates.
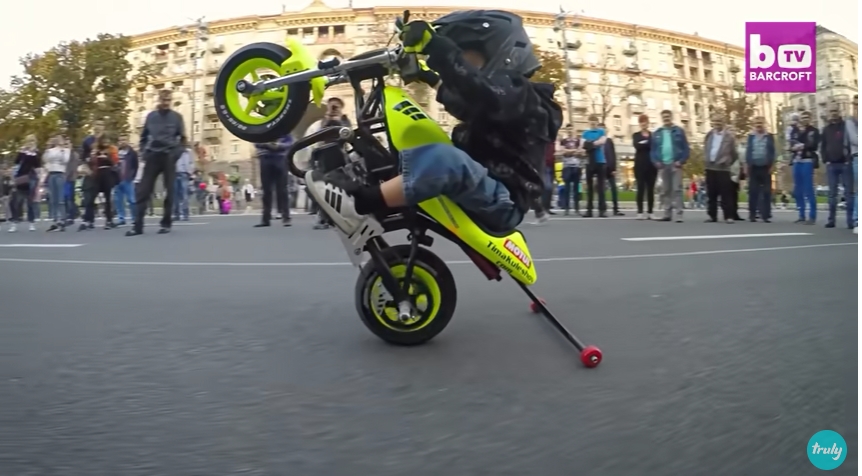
(498, 35)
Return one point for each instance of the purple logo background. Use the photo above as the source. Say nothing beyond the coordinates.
(774, 35)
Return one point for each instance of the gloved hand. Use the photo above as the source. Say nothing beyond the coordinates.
(416, 35)
(428, 76)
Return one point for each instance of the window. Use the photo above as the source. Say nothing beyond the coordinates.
(645, 46)
(234, 148)
(634, 99)
(645, 65)
(666, 105)
(292, 31)
(616, 100)
(662, 49)
(650, 103)
(595, 78)
(593, 58)
(647, 83)
(442, 117)
(665, 86)
(721, 76)
(196, 128)
(611, 59)
(719, 59)
(590, 38)
(214, 151)
(662, 66)
(613, 79)
(618, 122)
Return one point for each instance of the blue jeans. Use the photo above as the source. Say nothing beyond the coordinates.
(441, 169)
(57, 191)
(803, 189)
(34, 210)
(124, 193)
(840, 174)
(571, 187)
(181, 204)
(69, 198)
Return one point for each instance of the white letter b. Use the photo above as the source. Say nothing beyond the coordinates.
(755, 50)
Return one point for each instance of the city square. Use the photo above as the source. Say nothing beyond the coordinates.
(221, 349)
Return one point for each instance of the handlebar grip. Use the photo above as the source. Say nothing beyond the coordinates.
(329, 134)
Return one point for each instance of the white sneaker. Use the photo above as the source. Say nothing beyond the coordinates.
(12, 228)
(640, 216)
(650, 216)
(32, 227)
(338, 205)
(540, 220)
(856, 231)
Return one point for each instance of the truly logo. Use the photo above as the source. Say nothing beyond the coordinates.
(780, 57)
(827, 450)
(516, 250)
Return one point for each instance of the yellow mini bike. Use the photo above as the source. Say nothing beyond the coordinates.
(404, 294)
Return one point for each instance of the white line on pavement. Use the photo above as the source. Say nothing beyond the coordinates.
(451, 262)
(713, 237)
(38, 245)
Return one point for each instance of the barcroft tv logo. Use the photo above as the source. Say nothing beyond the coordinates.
(780, 57)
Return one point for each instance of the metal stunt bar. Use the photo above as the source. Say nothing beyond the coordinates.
(334, 70)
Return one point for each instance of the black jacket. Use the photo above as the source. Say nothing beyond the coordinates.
(610, 156)
(832, 143)
(643, 146)
(506, 120)
(810, 139)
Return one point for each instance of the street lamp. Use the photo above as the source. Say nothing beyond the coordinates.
(201, 30)
(560, 26)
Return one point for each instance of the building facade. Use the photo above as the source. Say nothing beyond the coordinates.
(618, 70)
(837, 78)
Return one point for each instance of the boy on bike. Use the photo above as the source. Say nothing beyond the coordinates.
(482, 61)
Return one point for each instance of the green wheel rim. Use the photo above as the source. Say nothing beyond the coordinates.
(425, 291)
(258, 108)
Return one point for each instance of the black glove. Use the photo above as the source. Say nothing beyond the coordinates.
(416, 35)
(429, 77)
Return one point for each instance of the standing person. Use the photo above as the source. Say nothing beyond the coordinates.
(248, 192)
(273, 178)
(571, 170)
(327, 153)
(593, 142)
(69, 187)
(838, 167)
(804, 144)
(721, 154)
(181, 185)
(27, 163)
(124, 192)
(737, 175)
(55, 160)
(852, 145)
(102, 163)
(645, 170)
(162, 142)
(87, 185)
(611, 159)
(669, 151)
(759, 160)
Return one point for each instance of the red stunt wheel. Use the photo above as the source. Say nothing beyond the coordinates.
(534, 308)
(591, 356)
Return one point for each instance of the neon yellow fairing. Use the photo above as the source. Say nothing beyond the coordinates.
(301, 60)
(409, 126)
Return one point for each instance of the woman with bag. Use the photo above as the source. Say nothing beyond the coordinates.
(27, 162)
(102, 163)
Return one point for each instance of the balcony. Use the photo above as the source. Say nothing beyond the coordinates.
(210, 110)
(634, 87)
(217, 47)
(579, 105)
(633, 68)
(635, 108)
(209, 89)
(630, 51)
(573, 45)
(212, 134)
(684, 116)
(733, 68)
(576, 63)
(678, 58)
(578, 84)
(212, 68)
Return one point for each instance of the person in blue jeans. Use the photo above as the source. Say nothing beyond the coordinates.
(480, 63)
(851, 144)
(593, 143)
(185, 166)
(124, 192)
(804, 144)
(571, 170)
(838, 165)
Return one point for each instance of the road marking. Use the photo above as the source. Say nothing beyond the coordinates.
(451, 262)
(188, 224)
(37, 245)
(713, 237)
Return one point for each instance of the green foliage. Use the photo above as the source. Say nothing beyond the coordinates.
(695, 165)
(738, 111)
(553, 68)
(66, 89)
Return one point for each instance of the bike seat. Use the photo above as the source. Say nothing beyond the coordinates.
(485, 229)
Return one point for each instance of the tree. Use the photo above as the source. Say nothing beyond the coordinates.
(695, 165)
(553, 68)
(601, 100)
(739, 112)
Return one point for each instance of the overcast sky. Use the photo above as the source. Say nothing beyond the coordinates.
(36, 25)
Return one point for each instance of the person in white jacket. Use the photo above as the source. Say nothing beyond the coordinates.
(54, 161)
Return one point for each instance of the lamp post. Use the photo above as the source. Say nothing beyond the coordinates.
(201, 30)
(561, 26)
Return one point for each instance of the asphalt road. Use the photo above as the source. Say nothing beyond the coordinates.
(221, 349)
